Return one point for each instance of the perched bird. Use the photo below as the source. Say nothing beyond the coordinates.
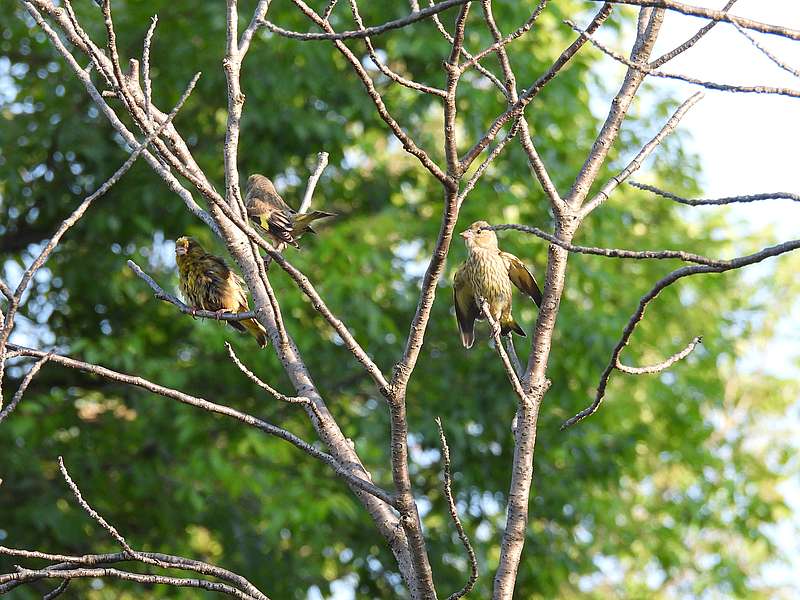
(209, 284)
(488, 274)
(276, 218)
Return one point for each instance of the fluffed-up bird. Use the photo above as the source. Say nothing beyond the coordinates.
(488, 274)
(208, 283)
(276, 218)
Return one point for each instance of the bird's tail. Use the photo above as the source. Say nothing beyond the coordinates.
(508, 324)
(255, 329)
(301, 223)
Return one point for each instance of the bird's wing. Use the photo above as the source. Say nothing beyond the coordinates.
(265, 200)
(276, 221)
(466, 309)
(521, 277)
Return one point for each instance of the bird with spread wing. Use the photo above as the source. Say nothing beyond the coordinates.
(489, 275)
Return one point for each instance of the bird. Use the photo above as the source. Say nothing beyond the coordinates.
(274, 217)
(488, 274)
(208, 283)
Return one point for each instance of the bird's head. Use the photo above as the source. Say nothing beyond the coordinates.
(260, 183)
(186, 245)
(477, 236)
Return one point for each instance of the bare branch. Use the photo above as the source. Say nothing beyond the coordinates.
(514, 111)
(322, 162)
(24, 386)
(611, 252)
(90, 511)
(478, 67)
(148, 84)
(264, 386)
(511, 372)
(644, 68)
(28, 575)
(501, 43)
(534, 160)
(716, 201)
(636, 163)
(690, 42)
(55, 593)
(462, 535)
(648, 27)
(369, 31)
(258, 15)
(396, 77)
(212, 407)
(767, 53)
(720, 267)
(495, 152)
(664, 364)
(714, 15)
(450, 108)
(83, 76)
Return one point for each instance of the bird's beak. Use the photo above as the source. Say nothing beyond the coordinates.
(180, 250)
(466, 234)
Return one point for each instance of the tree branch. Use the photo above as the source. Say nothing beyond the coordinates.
(366, 32)
(648, 27)
(664, 364)
(447, 491)
(212, 407)
(664, 58)
(636, 163)
(645, 69)
(716, 201)
(714, 15)
(720, 267)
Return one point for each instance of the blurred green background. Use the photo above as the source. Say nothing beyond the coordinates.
(667, 492)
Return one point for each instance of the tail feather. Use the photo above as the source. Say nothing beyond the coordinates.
(508, 325)
(254, 328)
(302, 222)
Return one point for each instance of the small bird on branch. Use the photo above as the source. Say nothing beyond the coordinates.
(488, 274)
(208, 283)
(273, 216)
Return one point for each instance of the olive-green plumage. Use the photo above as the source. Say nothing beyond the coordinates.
(209, 284)
(489, 273)
(276, 218)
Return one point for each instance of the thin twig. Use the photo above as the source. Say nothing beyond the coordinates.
(690, 42)
(322, 162)
(716, 201)
(447, 490)
(612, 252)
(767, 53)
(368, 31)
(501, 43)
(212, 407)
(515, 110)
(148, 84)
(637, 316)
(24, 386)
(644, 68)
(268, 388)
(383, 68)
(647, 149)
(664, 364)
(714, 15)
